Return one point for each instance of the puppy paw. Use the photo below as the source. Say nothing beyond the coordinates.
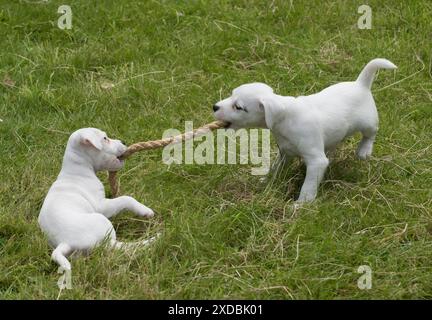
(144, 211)
(364, 150)
(364, 154)
(303, 198)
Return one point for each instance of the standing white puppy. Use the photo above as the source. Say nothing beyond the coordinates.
(75, 213)
(308, 126)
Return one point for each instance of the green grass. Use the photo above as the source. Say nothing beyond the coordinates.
(225, 235)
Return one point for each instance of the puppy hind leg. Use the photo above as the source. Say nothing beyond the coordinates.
(365, 147)
(59, 255)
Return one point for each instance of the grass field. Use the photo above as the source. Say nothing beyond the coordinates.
(136, 68)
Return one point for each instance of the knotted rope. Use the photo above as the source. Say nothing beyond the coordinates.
(150, 145)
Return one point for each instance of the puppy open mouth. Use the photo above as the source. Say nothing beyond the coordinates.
(120, 159)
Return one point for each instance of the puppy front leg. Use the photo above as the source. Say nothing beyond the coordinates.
(111, 207)
(315, 169)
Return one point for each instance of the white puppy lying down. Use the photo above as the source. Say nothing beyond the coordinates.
(308, 126)
(75, 212)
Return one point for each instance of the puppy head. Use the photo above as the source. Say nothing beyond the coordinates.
(245, 107)
(95, 146)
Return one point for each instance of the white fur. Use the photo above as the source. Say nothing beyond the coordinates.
(75, 213)
(308, 126)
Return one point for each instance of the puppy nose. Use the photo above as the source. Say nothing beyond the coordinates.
(216, 108)
(123, 142)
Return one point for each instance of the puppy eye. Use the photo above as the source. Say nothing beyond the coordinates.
(105, 138)
(237, 107)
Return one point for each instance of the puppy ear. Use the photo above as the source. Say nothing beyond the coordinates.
(273, 111)
(91, 139)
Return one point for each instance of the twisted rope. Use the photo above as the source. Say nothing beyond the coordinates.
(150, 145)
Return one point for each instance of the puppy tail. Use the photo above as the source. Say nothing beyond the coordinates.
(59, 255)
(366, 77)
